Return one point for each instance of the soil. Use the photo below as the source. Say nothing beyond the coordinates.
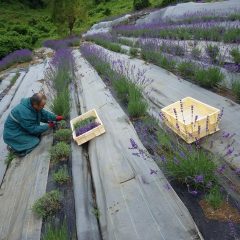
(67, 211)
(211, 229)
(224, 213)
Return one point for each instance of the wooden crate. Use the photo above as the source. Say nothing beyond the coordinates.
(90, 134)
(181, 118)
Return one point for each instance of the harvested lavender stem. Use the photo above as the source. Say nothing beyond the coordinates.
(81, 130)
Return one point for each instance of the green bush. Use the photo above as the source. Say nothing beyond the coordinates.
(186, 69)
(133, 52)
(209, 78)
(60, 152)
(235, 53)
(21, 29)
(213, 52)
(236, 89)
(10, 44)
(63, 135)
(167, 2)
(61, 176)
(214, 197)
(140, 4)
(47, 205)
(62, 124)
(196, 53)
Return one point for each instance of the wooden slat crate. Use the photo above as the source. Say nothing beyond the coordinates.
(191, 119)
(90, 134)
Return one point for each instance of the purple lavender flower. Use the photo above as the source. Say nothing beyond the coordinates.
(221, 169)
(163, 159)
(87, 128)
(229, 151)
(175, 160)
(133, 144)
(237, 171)
(196, 118)
(199, 179)
(225, 134)
(167, 186)
(194, 192)
(153, 171)
(18, 56)
(209, 184)
(232, 229)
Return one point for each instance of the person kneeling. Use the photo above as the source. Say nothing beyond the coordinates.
(22, 129)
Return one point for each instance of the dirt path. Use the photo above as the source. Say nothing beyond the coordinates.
(133, 204)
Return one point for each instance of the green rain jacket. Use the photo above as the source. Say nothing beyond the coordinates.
(22, 128)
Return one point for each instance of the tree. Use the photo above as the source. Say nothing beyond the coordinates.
(65, 13)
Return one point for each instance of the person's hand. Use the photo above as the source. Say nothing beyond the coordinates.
(59, 118)
(51, 124)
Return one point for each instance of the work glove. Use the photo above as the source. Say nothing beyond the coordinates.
(51, 124)
(59, 118)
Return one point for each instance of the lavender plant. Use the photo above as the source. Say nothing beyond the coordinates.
(236, 89)
(235, 53)
(60, 152)
(47, 205)
(214, 197)
(19, 56)
(213, 52)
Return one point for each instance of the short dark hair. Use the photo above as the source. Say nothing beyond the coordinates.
(37, 98)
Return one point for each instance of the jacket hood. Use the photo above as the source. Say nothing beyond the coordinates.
(26, 103)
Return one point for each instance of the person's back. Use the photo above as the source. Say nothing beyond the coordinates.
(22, 129)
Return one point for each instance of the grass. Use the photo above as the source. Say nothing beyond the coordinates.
(59, 152)
(63, 135)
(61, 176)
(133, 52)
(213, 52)
(236, 89)
(214, 197)
(235, 53)
(9, 158)
(47, 205)
(14, 78)
(56, 233)
(96, 212)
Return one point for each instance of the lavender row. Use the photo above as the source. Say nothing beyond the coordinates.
(18, 56)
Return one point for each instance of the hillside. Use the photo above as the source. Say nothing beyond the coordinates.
(24, 27)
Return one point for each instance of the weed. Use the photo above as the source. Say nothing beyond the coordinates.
(9, 158)
(56, 233)
(235, 53)
(60, 151)
(63, 135)
(14, 78)
(47, 205)
(214, 197)
(96, 212)
(196, 53)
(61, 176)
(186, 69)
(133, 52)
(236, 89)
(209, 78)
(213, 52)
